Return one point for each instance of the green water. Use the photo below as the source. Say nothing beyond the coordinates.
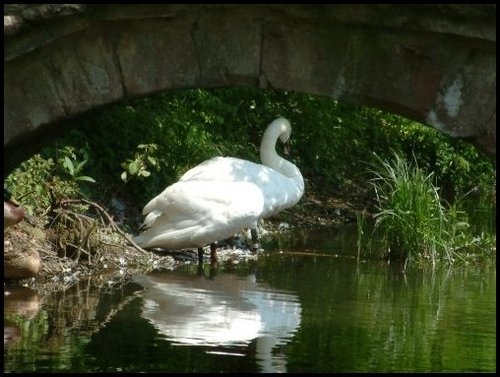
(305, 306)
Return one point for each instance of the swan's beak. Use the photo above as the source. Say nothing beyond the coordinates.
(286, 148)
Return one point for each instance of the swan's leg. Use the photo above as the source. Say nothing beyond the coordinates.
(200, 256)
(255, 240)
(213, 254)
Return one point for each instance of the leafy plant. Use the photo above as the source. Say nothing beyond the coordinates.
(41, 181)
(70, 164)
(143, 160)
(28, 183)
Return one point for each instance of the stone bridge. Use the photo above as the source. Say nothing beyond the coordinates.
(432, 63)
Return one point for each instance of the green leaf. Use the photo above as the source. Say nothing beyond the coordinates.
(132, 167)
(80, 166)
(123, 176)
(68, 164)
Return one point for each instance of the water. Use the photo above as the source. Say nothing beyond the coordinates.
(306, 306)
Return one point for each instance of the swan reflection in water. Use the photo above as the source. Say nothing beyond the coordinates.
(225, 311)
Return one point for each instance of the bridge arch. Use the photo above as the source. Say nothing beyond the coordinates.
(432, 63)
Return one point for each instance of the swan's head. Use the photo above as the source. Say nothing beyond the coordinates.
(281, 129)
(284, 128)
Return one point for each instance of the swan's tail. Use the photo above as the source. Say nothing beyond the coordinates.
(151, 218)
(148, 222)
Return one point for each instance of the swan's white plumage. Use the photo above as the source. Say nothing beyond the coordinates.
(194, 214)
(222, 196)
(279, 191)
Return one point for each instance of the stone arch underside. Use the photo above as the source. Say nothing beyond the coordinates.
(432, 63)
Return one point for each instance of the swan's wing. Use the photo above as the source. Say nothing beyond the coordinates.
(223, 169)
(194, 214)
(280, 192)
(151, 218)
(205, 170)
(152, 204)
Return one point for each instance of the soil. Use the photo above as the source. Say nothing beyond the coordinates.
(110, 253)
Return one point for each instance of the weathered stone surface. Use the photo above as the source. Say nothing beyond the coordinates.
(433, 63)
(150, 63)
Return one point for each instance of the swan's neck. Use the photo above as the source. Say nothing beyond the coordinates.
(270, 158)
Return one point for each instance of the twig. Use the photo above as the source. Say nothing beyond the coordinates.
(80, 249)
(110, 220)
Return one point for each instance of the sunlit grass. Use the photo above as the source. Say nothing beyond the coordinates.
(411, 221)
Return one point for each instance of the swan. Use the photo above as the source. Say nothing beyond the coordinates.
(12, 211)
(223, 195)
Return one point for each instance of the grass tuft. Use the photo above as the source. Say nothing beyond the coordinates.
(411, 221)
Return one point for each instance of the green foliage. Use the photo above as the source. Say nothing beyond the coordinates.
(70, 164)
(142, 161)
(413, 223)
(135, 150)
(458, 167)
(45, 178)
(28, 183)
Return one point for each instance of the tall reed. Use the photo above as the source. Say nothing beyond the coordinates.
(410, 218)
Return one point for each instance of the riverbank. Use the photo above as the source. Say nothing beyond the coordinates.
(110, 252)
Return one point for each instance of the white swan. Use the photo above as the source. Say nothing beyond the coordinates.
(222, 196)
